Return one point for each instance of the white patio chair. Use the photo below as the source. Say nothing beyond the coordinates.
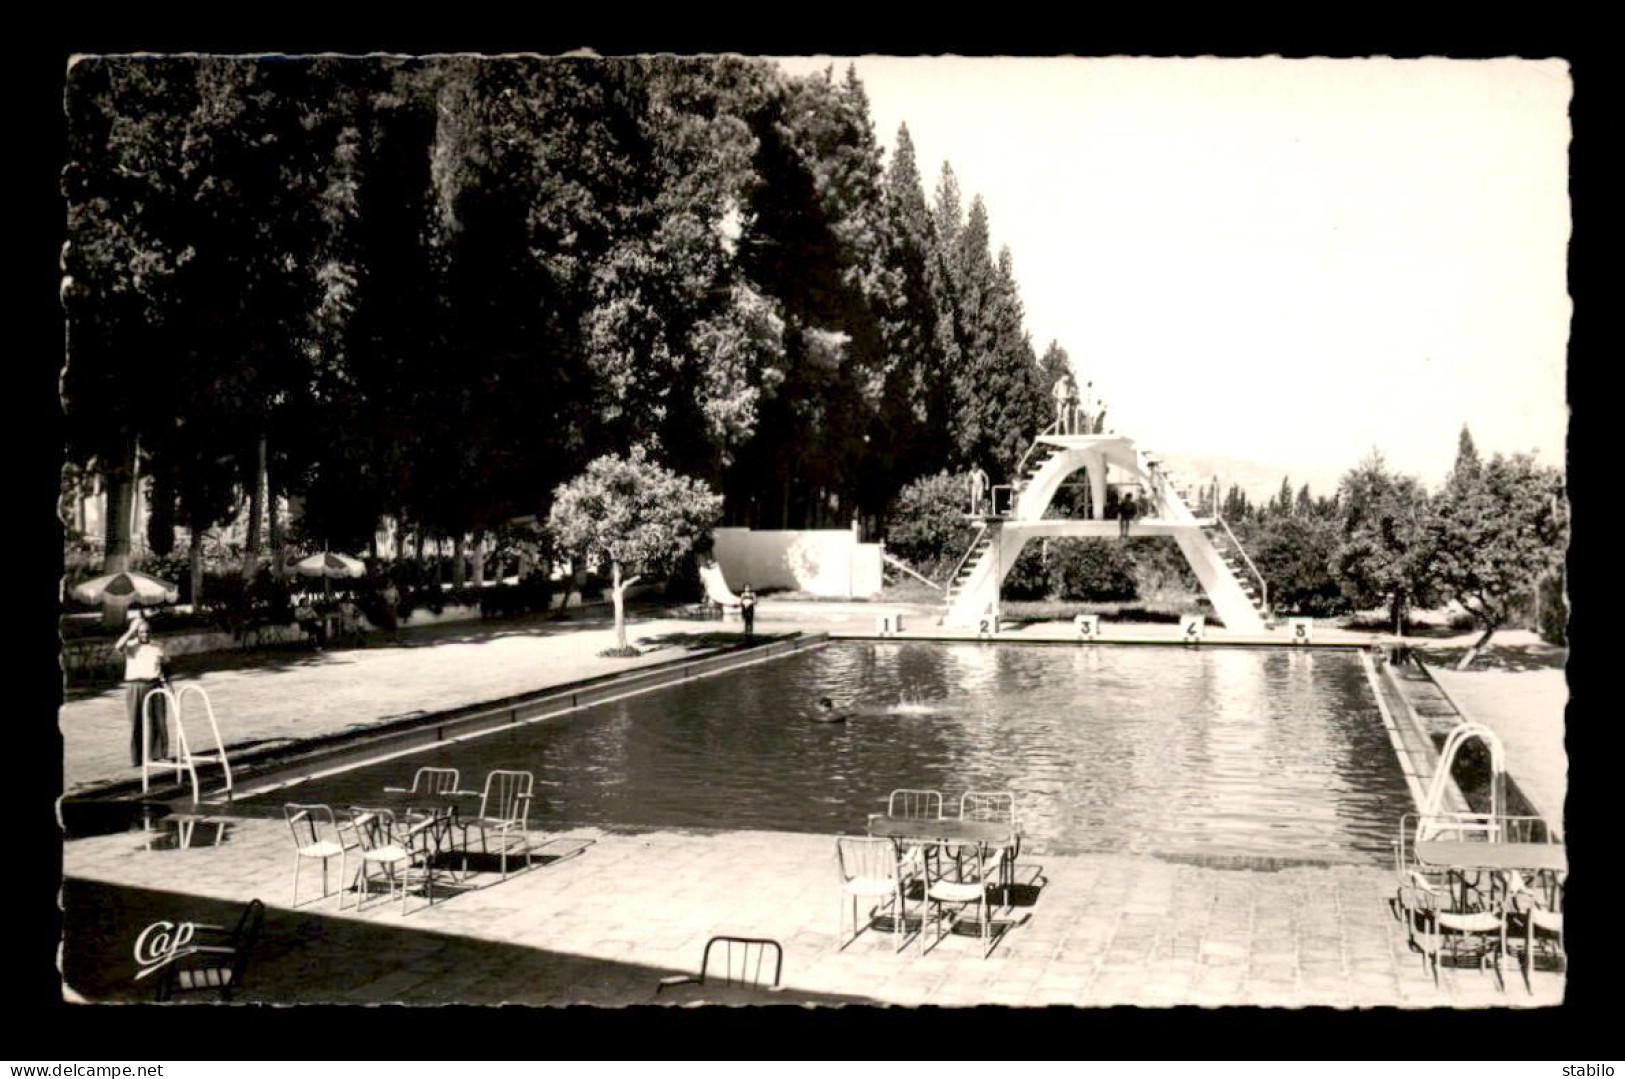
(504, 814)
(870, 869)
(316, 835)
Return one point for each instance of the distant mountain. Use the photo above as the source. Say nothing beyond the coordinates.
(1260, 481)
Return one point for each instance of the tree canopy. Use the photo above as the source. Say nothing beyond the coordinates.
(634, 514)
(431, 289)
(1498, 526)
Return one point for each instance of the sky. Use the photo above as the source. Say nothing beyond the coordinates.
(1287, 262)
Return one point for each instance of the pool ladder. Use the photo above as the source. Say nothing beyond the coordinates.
(1434, 821)
(181, 757)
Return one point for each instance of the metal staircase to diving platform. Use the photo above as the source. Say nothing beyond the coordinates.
(1232, 583)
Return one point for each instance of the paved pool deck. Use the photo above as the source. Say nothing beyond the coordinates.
(602, 926)
(617, 911)
(1525, 710)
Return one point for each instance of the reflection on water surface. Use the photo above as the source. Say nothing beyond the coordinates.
(1217, 752)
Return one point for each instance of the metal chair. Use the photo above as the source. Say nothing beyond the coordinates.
(504, 813)
(742, 963)
(870, 868)
(997, 807)
(1542, 926)
(959, 881)
(316, 835)
(215, 967)
(915, 804)
(387, 847)
(1454, 889)
(1436, 930)
(432, 781)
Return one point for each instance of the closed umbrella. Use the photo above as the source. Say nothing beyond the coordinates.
(126, 588)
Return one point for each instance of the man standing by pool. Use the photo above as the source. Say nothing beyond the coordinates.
(143, 676)
(747, 609)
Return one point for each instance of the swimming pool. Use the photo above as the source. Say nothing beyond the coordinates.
(1251, 753)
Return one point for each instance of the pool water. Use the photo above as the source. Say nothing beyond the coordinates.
(1218, 753)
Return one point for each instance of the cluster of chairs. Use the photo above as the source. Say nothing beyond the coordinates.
(949, 877)
(1478, 915)
(407, 846)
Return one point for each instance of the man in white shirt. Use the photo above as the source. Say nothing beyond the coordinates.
(143, 675)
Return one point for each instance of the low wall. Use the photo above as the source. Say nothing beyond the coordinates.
(92, 655)
(822, 562)
(88, 657)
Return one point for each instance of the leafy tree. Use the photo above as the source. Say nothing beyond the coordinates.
(1029, 576)
(1281, 504)
(635, 514)
(1092, 569)
(1467, 463)
(1294, 554)
(1387, 552)
(1158, 566)
(1553, 614)
(917, 399)
(126, 185)
(927, 526)
(428, 288)
(1053, 365)
(1236, 507)
(1499, 528)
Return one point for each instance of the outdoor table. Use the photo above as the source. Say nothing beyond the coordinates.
(430, 818)
(998, 835)
(1542, 859)
(950, 830)
(1499, 857)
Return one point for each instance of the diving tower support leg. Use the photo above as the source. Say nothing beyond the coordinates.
(1233, 606)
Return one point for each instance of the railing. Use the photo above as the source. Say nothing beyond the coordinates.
(898, 563)
(975, 544)
(1021, 465)
(1263, 586)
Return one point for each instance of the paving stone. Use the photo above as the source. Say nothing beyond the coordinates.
(1223, 953)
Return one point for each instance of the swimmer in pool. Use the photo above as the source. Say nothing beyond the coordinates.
(824, 712)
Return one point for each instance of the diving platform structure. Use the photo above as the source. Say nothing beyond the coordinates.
(1233, 584)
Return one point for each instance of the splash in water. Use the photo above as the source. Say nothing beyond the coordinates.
(913, 706)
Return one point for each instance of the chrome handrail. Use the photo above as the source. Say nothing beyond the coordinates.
(898, 563)
(1021, 465)
(1263, 585)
